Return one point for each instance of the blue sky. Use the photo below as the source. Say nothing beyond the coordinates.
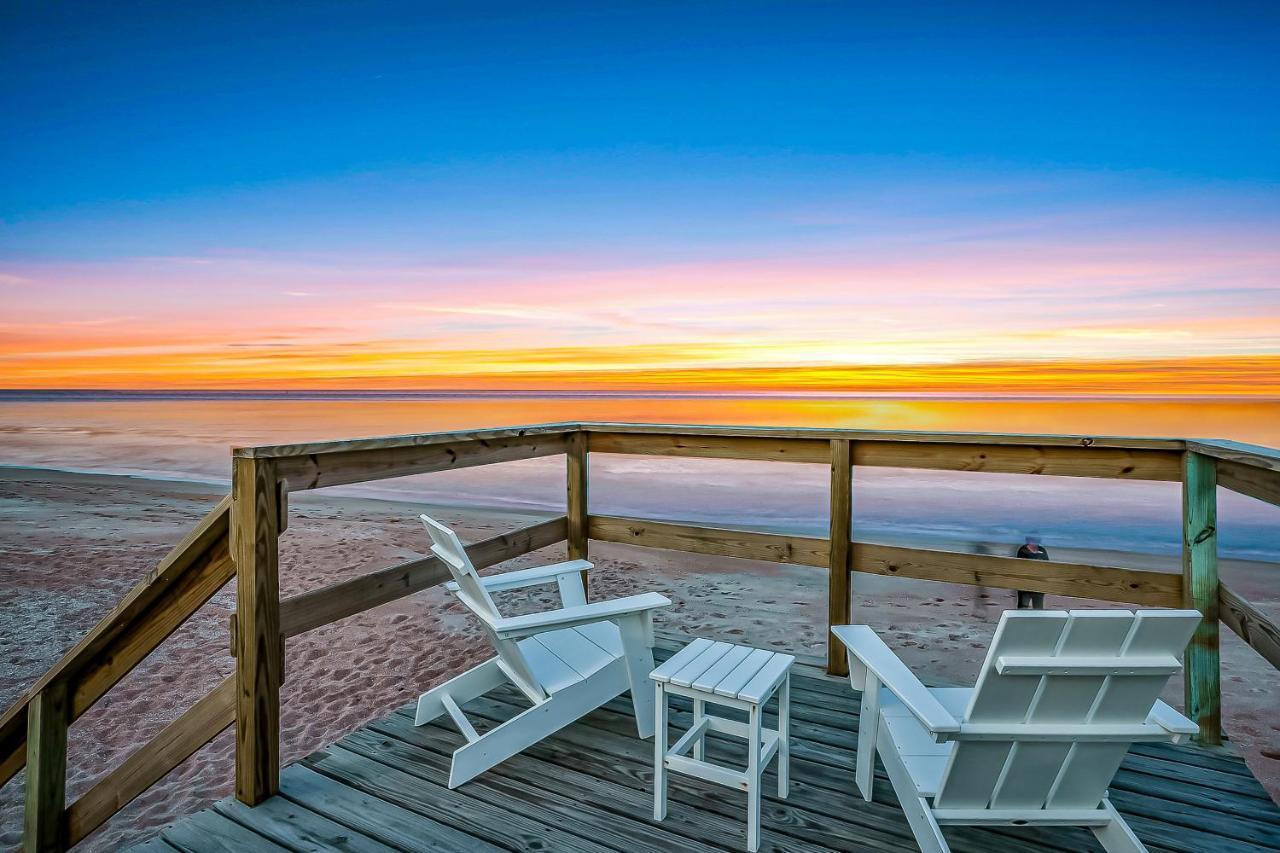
(321, 141)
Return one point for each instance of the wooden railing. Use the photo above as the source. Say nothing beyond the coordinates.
(239, 537)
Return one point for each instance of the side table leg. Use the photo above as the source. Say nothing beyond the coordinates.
(660, 753)
(784, 738)
(753, 780)
(699, 745)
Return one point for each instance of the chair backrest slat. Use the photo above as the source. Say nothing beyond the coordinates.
(1025, 773)
(1089, 769)
(973, 770)
(471, 592)
(1032, 767)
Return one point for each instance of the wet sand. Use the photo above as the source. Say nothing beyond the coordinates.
(72, 544)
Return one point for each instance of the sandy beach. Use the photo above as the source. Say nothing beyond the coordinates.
(72, 544)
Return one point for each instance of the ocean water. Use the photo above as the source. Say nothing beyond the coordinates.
(189, 436)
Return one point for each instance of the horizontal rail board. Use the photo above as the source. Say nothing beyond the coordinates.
(1260, 483)
(1104, 583)
(319, 470)
(1109, 462)
(186, 597)
(175, 743)
(1067, 461)
(827, 434)
(301, 613)
(395, 442)
(1249, 624)
(194, 569)
(713, 446)
(1078, 580)
(716, 541)
(1252, 455)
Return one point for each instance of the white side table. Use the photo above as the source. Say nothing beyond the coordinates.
(738, 677)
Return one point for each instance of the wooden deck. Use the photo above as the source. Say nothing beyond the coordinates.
(589, 789)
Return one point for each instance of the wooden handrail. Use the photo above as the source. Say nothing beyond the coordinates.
(216, 711)
(194, 569)
(1070, 460)
(1249, 624)
(312, 609)
(319, 470)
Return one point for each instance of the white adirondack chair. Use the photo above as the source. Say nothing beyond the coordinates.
(567, 662)
(1037, 741)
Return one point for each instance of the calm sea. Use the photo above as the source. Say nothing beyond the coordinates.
(187, 436)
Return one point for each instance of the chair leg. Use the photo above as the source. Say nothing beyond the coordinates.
(660, 755)
(528, 727)
(1116, 836)
(699, 745)
(869, 724)
(784, 739)
(753, 779)
(919, 815)
(639, 660)
(476, 681)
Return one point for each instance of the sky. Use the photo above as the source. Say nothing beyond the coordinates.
(942, 198)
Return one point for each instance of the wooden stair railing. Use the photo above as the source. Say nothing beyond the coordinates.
(33, 731)
(36, 725)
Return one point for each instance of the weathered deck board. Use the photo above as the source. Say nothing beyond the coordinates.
(589, 788)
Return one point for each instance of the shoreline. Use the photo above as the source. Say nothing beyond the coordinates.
(71, 544)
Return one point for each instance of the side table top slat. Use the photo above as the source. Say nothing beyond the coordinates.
(708, 680)
(764, 682)
(677, 661)
(701, 664)
(742, 673)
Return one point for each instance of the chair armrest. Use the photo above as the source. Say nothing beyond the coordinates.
(515, 627)
(879, 659)
(1171, 721)
(528, 577)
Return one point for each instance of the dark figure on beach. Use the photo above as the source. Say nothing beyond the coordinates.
(1031, 551)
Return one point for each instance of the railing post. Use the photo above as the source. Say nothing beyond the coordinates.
(255, 522)
(1201, 675)
(838, 561)
(48, 716)
(576, 498)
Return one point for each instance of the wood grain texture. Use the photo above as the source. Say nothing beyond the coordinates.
(44, 822)
(717, 541)
(1260, 483)
(773, 449)
(399, 442)
(1249, 624)
(300, 613)
(840, 534)
(319, 470)
(577, 498)
(827, 434)
(193, 570)
(187, 595)
(1078, 580)
(254, 533)
(174, 744)
(1201, 673)
(1252, 455)
(1102, 583)
(1062, 461)
(591, 784)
